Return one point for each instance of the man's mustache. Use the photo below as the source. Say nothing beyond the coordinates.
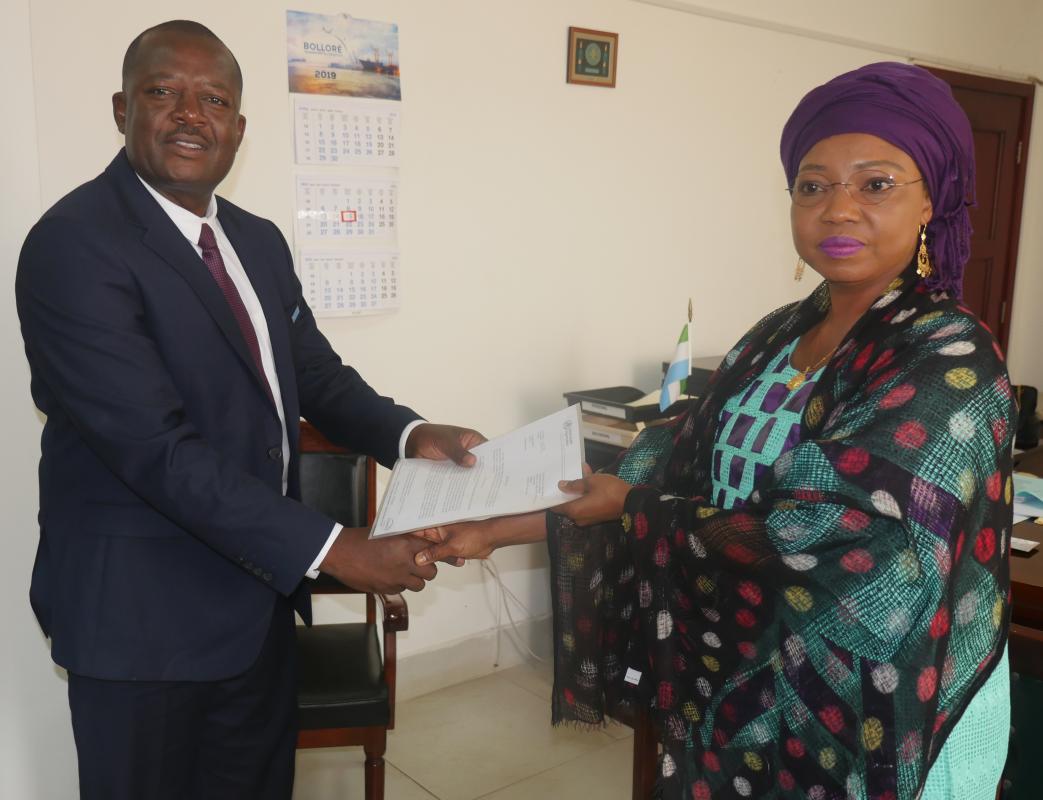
(188, 130)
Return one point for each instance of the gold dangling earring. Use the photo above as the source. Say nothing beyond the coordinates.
(923, 260)
(798, 273)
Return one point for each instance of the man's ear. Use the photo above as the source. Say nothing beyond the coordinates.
(119, 110)
(242, 130)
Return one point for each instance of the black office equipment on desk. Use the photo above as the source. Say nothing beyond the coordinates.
(624, 403)
(613, 416)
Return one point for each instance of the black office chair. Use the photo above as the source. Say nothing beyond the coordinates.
(346, 686)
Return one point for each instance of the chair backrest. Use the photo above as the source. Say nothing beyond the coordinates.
(336, 484)
(340, 484)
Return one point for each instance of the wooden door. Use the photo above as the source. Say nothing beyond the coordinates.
(1000, 113)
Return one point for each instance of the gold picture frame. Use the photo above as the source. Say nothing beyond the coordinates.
(592, 57)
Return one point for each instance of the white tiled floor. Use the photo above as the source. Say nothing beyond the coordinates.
(489, 738)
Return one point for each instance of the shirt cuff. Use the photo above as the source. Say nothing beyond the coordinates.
(405, 436)
(313, 570)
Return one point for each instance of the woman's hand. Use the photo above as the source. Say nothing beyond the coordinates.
(602, 498)
(456, 543)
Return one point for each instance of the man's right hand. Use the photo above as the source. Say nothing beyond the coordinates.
(384, 566)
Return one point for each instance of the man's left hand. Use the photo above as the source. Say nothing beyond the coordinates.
(439, 442)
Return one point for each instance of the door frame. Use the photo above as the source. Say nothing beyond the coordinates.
(1027, 93)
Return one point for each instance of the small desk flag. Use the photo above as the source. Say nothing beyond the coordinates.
(676, 379)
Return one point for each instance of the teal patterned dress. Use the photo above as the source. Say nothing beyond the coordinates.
(755, 427)
(823, 639)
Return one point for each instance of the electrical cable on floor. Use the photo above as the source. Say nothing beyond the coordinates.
(488, 565)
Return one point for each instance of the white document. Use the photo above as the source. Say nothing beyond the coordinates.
(1023, 545)
(514, 474)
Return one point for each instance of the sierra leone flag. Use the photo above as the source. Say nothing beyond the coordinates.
(676, 379)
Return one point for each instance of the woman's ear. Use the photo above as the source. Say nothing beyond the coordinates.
(928, 209)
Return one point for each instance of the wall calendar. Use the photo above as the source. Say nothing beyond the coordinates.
(345, 89)
(336, 283)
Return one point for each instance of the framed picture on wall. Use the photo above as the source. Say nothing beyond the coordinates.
(592, 57)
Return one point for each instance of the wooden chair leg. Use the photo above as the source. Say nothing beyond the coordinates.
(374, 747)
(646, 756)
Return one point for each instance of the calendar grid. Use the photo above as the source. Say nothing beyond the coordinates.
(337, 283)
(336, 131)
(340, 207)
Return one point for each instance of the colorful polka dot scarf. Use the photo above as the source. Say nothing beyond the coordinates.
(822, 640)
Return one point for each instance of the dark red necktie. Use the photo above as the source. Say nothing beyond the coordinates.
(216, 265)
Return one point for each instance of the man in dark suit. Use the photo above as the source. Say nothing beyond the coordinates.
(173, 354)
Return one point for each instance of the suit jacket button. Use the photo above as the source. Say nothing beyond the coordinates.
(267, 577)
(275, 453)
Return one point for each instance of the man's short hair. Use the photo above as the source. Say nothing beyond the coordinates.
(185, 26)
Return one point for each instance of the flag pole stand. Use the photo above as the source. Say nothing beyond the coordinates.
(688, 383)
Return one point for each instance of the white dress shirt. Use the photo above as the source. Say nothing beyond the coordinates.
(191, 226)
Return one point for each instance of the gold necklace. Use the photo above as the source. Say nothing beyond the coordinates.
(802, 374)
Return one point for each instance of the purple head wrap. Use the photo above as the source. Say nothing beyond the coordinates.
(915, 111)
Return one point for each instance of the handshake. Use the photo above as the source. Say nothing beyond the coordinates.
(392, 564)
(384, 566)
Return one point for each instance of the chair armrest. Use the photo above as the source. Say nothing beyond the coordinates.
(1025, 632)
(396, 612)
(395, 615)
(1026, 650)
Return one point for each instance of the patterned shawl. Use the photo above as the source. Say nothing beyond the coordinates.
(823, 640)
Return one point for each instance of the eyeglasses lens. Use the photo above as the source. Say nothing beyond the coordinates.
(868, 188)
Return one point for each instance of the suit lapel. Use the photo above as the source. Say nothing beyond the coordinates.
(163, 238)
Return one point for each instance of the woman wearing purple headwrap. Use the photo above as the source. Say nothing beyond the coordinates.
(805, 577)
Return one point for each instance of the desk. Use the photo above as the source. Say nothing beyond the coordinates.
(1026, 586)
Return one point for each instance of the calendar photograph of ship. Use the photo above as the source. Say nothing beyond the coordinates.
(388, 67)
(336, 54)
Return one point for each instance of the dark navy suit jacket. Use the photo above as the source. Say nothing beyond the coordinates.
(164, 534)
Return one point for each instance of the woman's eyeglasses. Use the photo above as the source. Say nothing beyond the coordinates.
(868, 188)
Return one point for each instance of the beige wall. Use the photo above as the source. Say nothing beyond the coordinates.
(998, 37)
(36, 753)
(585, 219)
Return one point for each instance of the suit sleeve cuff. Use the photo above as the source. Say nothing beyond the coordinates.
(405, 436)
(313, 570)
